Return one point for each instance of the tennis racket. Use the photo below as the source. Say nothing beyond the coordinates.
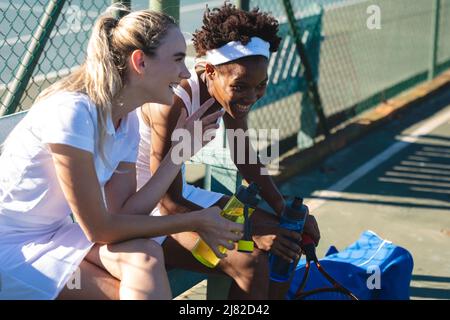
(335, 292)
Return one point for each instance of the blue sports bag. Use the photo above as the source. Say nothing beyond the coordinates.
(371, 268)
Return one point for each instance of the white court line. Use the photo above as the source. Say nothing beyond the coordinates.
(337, 5)
(41, 9)
(87, 27)
(61, 32)
(334, 190)
(200, 6)
(212, 4)
(42, 77)
(190, 61)
(183, 9)
(301, 13)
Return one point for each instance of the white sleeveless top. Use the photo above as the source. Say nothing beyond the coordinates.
(196, 195)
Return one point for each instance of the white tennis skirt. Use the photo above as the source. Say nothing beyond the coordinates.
(36, 263)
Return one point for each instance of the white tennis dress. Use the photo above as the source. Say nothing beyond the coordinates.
(40, 246)
(199, 196)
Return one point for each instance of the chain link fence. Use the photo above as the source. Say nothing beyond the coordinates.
(361, 67)
(360, 64)
(64, 50)
(357, 65)
(443, 51)
(286, 106)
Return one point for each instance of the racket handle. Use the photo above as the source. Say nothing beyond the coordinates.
(306, 239)
(309, 247)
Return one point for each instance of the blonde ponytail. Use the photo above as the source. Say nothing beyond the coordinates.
(102, 75)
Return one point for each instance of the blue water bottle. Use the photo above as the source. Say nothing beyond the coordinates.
(293, 218)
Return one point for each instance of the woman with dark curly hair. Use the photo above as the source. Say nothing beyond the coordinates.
(233, 47)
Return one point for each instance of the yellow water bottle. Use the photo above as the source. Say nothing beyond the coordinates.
(238, 209)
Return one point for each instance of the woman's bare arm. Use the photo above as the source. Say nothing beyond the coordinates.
(77, 177)
(252, 171)
(162, 121)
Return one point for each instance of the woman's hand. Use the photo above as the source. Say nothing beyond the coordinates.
(282, 242)
(217, 231)
(279, 241)
(194, 132)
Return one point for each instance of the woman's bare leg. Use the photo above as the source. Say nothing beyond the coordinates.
(130, 270)
(139, 264)
(264, 221)
(245, 269)
(249, 271)
(94, 284)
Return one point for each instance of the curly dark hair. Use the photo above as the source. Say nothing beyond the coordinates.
(228, 23)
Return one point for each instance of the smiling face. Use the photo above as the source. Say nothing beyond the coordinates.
(165, 69)
(237, 85)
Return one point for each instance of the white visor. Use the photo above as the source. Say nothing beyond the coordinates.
(235, 50)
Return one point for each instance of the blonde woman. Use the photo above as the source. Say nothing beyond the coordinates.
(75, 152)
